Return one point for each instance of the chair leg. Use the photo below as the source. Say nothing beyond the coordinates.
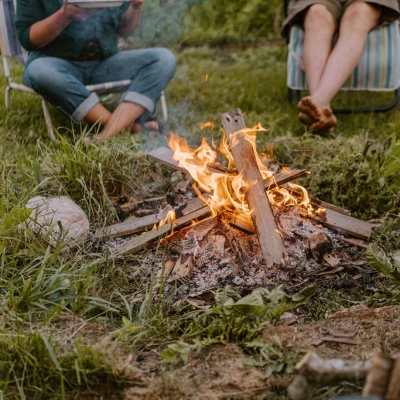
(7, 99)
(164, 108)
(371, 109)
(48, 121)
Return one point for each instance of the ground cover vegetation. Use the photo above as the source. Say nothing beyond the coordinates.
(75, 324)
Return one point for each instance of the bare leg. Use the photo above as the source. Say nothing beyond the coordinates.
(123, 117)
(358, 19)
(319, 27)
(98, 114)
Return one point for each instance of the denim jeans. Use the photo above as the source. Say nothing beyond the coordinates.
(62, 82)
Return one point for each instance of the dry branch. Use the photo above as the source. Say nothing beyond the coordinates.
(315, 372)
(128, 227)
(393, 392)
(139, 242)
(378, 377)
(256, 197)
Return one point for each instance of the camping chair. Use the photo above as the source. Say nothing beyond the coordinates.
(378, 69)
(11, 49)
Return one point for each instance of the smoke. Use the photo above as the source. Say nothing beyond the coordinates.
(161, 23)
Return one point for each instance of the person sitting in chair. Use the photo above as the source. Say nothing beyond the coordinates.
(327, 68)
(70, 47)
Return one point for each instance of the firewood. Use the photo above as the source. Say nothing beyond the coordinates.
(183, 267)
(127, 227)
(378, 377)
(323, 204)
(132, 205)
(139, 242)
(185, 263)
(350, 225)
(131, 225)
(284, 177)
(319, 244)
(242, 151)
(393, 392)
(314, 372)
(164, 156)
(242, 222)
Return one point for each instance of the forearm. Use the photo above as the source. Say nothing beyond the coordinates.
(130, 20)
(45, 31)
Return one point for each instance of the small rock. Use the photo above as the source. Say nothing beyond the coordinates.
(66, 220)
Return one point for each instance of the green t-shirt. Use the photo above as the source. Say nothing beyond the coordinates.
(102, 26)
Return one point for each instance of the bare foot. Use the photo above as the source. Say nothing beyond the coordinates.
(149, 127)
(308, 111)
(326, 123)
(304, 119)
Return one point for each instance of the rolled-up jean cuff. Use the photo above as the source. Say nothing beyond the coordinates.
(140, 99)
(79, 114)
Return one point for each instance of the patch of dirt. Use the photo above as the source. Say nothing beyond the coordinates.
(218, 372)
(374, 330)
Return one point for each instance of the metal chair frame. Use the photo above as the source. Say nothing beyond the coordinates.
(11, 49)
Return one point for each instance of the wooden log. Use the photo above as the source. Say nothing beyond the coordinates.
(132, 225)
(350, 225)
(140, 242)
(127, 227)
(243, 223)
(183, 267)
(393, 391)
(242, 151)
(335, 217)
(314, 372)
(378, 377)
(164, 155)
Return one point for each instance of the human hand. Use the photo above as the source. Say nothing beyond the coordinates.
(80, 13)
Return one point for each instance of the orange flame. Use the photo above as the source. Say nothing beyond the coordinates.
(207, 125)
(226, 190)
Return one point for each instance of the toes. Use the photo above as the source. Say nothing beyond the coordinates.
(326, 123)
(304, 119)
(307, 107)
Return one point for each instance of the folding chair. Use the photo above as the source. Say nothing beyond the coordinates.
(378, 69)
(11, 49)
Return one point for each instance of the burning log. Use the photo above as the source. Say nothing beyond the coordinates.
(263, 219)
(164, 156)
(139, 242)
(334, 216)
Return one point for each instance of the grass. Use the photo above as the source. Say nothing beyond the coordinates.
(68, 318)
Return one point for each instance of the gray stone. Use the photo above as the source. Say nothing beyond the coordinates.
(59, 219)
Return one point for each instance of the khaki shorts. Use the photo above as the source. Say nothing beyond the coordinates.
(297, 9)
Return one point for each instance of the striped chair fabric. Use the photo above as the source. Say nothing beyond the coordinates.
(377, 70)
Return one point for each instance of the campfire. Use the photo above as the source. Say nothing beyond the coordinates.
(240, 221)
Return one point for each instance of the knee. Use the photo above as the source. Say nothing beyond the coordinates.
(36, 74)
(361, 16)
(319, 16)
(167, 60)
